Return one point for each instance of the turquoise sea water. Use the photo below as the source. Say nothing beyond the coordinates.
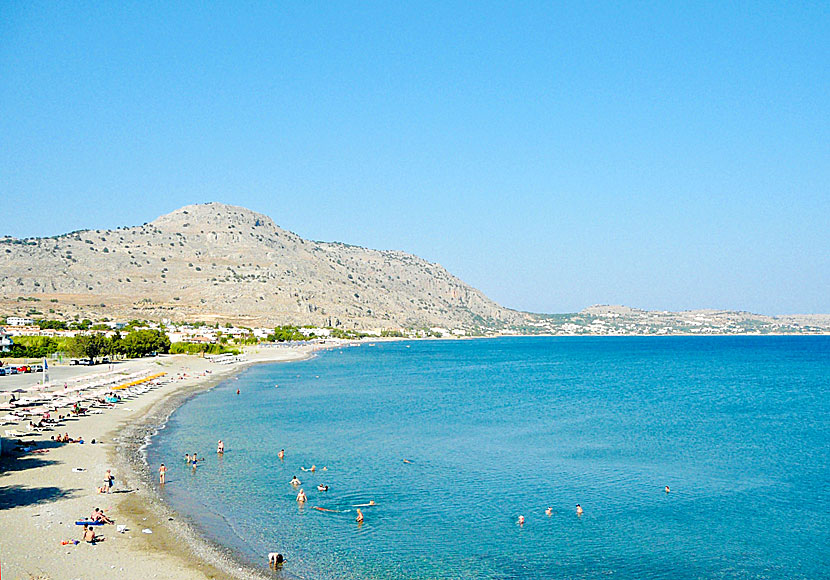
(738, 427)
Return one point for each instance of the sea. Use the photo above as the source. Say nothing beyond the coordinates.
(453, 441)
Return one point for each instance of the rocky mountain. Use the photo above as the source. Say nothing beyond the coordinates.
(216, 262)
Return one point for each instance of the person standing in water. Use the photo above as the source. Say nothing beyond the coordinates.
(359, 518)
(578, 510)
(220, 447)
(281, 454)
(666, 489)
(162, 472)
(549, 511)
(301, 498)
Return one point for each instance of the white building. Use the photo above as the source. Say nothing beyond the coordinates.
(5, 342)
(19, 321)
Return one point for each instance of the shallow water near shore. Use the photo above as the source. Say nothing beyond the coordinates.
(738, 427)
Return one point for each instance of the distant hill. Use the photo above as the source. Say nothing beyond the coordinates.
(220, 263)
(216, 262)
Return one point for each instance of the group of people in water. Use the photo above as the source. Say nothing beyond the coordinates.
(302, 498)
(579, 510)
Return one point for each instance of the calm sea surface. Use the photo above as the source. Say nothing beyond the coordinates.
(738, 427)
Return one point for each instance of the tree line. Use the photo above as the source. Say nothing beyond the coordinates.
(137, 343)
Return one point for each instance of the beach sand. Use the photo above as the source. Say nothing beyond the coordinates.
(41, 496)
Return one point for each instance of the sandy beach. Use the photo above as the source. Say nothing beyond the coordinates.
(45, 490)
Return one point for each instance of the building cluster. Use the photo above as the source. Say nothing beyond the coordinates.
(618, 320)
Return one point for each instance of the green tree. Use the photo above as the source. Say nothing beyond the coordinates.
(89, 346)
(143, 342)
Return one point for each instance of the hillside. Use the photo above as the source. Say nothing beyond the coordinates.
(216, 262)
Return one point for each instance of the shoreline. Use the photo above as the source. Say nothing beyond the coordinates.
(43, 516)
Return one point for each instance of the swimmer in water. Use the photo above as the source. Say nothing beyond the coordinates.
(220, 447)
(281, 454)
(301, 498)
(578, 510)
(666, 489)
(407, 461)
(322, 487)
(294, 481)
(237, 391)
(521, 520)
(359, 518)
(549, 511)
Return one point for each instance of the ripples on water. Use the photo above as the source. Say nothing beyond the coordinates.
(738, 427)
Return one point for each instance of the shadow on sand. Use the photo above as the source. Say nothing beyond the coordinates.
(19, 495)
(11, 464)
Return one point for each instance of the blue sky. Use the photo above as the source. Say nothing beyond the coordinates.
(659, 155)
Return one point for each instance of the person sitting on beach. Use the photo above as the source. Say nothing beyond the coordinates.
(322, 487)
(294, 481)
(98, 516)
(301, 497)
(89, 535)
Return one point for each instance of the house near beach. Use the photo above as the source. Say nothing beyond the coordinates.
(6, 342)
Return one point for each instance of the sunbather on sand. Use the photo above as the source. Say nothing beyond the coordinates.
(89, 535)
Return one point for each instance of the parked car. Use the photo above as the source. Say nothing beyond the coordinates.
(37, 368)
(11, 370)
(24, 369)
(2, 372)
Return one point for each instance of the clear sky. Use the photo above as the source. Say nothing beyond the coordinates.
(555, 155)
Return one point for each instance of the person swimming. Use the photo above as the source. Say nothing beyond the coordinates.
(549, 511)
(322, 487)
(294, 481)
(578, 510)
